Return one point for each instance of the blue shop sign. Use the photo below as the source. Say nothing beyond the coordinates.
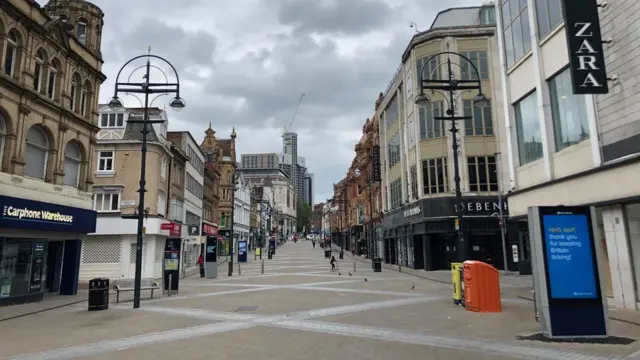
(35, 215)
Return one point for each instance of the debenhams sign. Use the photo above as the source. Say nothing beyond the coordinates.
(588, 73)
(36, 215)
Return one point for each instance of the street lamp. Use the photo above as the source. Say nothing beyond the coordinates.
(234, 187)
(448, 87)
(147, 88)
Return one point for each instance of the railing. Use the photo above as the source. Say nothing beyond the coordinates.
(393, 80)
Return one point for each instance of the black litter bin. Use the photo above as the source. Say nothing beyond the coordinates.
(98, 294)
(377, 264)
(327, 254)
(341, 254)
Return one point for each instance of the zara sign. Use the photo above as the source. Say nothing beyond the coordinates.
(584, 38)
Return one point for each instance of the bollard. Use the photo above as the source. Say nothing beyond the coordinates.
(169, 287)
(239, 270)
(262, 267)
(354, 265)
(399, 267)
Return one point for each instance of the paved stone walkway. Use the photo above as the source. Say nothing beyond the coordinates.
(297, 309)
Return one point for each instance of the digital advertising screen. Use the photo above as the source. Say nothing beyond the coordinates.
(242, 246)
(569, 256)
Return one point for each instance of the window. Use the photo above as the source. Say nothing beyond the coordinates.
(53, 73)
(84, 93)
(3, 137)
(81, 31)
(395, 193)
(177, 175)
(163, 168)
(414, 181)
(528, 131)
(194, 187)
(435, 176)
(359, 189)
(432, 68)
(162, 204)
(488, 15)
(177, 210)
(430, 128)
(481, 62)
(37, 153)
(549, 15)
(392, 110)
(194, 159)
(517, 34)
(481, 122)
(409, 84)
(37, 71)
(11, 53)
(72, 160)
(105, 161)
(483, 173)
(106, 202)
(394, 150)
(74, 93)
(112, 120)
(569, 112)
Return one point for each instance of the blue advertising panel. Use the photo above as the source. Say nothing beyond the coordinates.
(28, 214)
(569, 257)
(566, 275)
(242, 251)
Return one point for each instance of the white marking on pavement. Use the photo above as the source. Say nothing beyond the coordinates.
(107, 346)
(474, 346)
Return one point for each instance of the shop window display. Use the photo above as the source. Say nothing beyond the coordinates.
(21, 268)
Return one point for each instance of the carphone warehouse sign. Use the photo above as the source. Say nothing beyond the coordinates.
(565, 266)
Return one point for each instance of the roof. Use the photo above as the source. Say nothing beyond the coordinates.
(451, 20)
(133, 131)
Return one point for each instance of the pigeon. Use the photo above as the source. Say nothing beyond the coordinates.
(413, 287)
(350, 274)
(339, 274)
(365, 279)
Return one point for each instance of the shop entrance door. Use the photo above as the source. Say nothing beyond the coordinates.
(54, 266)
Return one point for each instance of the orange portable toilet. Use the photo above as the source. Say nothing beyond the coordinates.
(481, 287)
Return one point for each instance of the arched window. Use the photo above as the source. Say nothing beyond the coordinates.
(53, 75)
(72, 160)
(11, 53)
(84, 98)
(81, 30)
(75, 84)
(37, 153)
(3, 138)
(37, 71)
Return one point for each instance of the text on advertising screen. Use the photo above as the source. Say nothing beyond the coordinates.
(569, 257)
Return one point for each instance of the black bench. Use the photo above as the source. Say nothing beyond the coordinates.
(124, 285)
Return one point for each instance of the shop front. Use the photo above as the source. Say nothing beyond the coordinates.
(422, 235)
(40, 248)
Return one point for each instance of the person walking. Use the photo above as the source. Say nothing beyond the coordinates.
(333, 263)
(200, 264)
(313, 242)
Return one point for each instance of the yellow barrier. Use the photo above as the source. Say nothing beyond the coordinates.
(456, 280)
(257, 251)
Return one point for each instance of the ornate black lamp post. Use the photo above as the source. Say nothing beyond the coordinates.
(147, 88)
(449, 88)
(232, 238)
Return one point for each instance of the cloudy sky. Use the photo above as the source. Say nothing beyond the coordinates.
(244, 63)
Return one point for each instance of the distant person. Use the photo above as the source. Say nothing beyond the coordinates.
(313, 242)
(201, 265)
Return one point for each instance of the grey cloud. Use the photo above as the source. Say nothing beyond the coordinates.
(352, 17)
(182, 48)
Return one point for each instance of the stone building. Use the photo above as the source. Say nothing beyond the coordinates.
(50, 76)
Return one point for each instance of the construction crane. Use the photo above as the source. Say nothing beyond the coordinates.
(293, 118)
